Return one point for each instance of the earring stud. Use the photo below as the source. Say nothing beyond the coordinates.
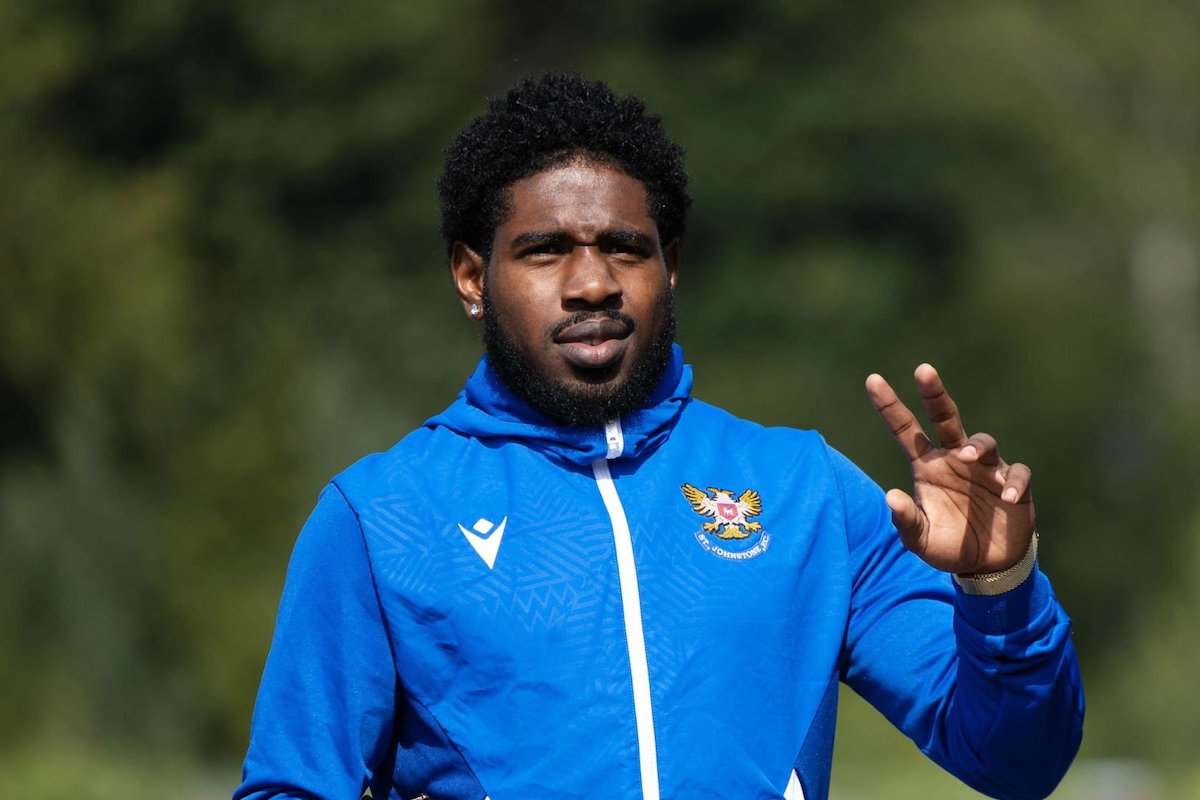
(476, 311)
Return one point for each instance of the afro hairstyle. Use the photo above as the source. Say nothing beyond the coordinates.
(546, 122)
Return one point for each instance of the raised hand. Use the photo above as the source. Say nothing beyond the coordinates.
(970, 512)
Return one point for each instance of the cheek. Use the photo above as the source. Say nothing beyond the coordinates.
(521, 291)
(521, 319)
(653, 300)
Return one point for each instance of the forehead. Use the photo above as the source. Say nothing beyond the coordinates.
(580, 197)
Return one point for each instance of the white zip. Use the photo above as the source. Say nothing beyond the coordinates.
(631, 606)
(794, 790)
(614, 438)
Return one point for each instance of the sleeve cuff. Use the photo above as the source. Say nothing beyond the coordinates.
(1011, 612)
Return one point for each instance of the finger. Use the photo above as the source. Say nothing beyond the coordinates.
(908, 518)
(940, 408)
(1016, 484)
(900, 421)
(981, 449)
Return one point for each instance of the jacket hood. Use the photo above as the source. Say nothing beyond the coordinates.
(486, 409)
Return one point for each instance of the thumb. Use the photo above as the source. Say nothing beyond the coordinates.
(909, 519)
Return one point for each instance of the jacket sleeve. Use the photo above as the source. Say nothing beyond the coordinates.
(988, 687)
(324, 715)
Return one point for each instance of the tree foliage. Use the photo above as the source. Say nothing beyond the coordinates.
(220, 282)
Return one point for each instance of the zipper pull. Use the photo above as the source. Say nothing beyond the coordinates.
(614, 438)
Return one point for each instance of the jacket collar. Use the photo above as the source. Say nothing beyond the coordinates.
(486, 409)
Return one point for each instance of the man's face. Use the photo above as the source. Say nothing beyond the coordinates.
(577, 295)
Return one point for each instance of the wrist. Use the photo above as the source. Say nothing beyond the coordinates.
(994, 583)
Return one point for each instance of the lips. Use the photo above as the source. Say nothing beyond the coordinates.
(594, 343)
(593, 331)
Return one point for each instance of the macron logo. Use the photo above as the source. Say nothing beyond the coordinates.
(485, 537)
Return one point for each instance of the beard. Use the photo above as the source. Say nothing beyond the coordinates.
(597, 397)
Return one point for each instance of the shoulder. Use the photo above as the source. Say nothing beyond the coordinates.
(799, 460)
(797, 466)
(719, 427)
(393, 471)
(803, 454)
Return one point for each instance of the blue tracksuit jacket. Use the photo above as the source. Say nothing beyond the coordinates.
(502, 607)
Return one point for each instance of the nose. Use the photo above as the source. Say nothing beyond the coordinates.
(589, 281)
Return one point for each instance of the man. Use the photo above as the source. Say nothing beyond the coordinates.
(580, 582)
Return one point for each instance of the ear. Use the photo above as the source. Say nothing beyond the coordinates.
(671, 260)
(467, 269)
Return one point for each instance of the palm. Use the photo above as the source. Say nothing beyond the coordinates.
(969, 511)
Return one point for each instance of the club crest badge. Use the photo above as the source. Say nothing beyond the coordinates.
(730, 534)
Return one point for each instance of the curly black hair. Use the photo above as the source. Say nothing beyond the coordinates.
(544, 122)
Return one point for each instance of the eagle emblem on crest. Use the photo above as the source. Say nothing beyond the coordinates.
(730, 516)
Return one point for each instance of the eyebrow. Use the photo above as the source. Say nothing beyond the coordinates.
(634, 238)
(540, 237)
(626, 237)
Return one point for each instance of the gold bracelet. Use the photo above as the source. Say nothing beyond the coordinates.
(994, 583)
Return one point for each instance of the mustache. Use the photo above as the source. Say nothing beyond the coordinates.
(584, 316)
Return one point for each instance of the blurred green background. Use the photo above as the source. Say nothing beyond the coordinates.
(221, 282)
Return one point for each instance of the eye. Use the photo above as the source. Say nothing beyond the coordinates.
(627, 251)
(628, 246)
(541, 250)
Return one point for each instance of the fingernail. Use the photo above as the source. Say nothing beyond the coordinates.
(1009, 495)
(968, 452)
